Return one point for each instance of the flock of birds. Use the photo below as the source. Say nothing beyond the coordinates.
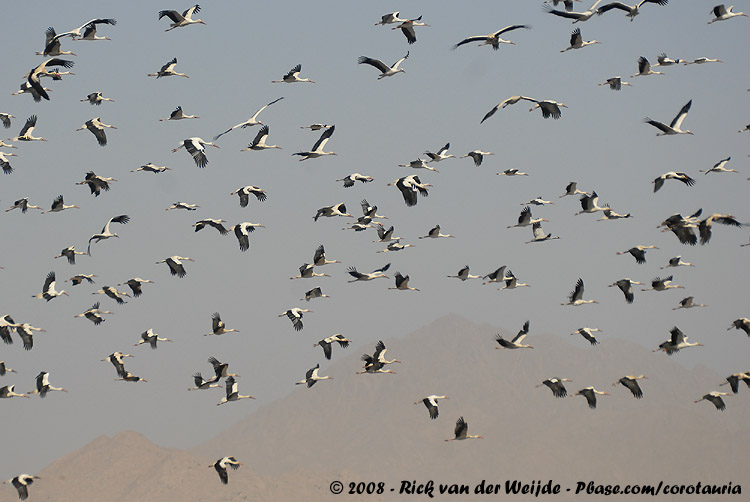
(411, 188)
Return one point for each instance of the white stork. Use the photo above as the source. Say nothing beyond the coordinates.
(218, 327)
(638, 252)
(116, 359)
(395, 245)
(477, 156)
(327, 343)
(259, 142)
(734, 380)
(167, 70)
(587, 334)
(431, 403)
(152, 168)
(96, 183)
(516, 342)
(307, 271)
(549, 108)
(497, 276)
(135, 285)
(385, 70)
(178, 114)
(175, 265)
(631, 11)
(353, 178)
(151, 338)
(201, 384)
(556, 386)
(705, 225)
(7, 326)
(407, 28)
(70, 253)
(402, 283)
(715, 399)
(331, 211)
(26, 332)
(89, 32)
(197, 148)
(511, 282)
(419, 164)
(539, 235)
(96, 127)
(106, 233)
(52, 46)
(590, 394)
(220, 369)
(221, 464)
(719, 167)
(677, 341)
(506, 102)
(26, 130)
(5, 369)
(577, 41)
(292, 76)
(48, 290)
(677, 262)
(317, 149)
(644, 68)
(722, 13)
(43, 386)
(295, 315)
(391, 18)
(493, 39)
(663, 60)
(76, 33)
(245, 192)
(674, 126)
(626, 286)
(575, 16)
(212, 222)
(375, 274)
(314, 293)
(461, 431)
(251, 121)
(242, 232)
(94, 314)
(22, 482)
(615, 83)
(440, 155)
(37, 72)
(79, 278)
(183, 205)
(434, 233)
(112, 293)
(23, 205)
(576, 296)
(742, 323)
(589, 204)
(26, 88)
(129, 377)
(688, 303)
(232, 393)
(703, 60)
(572, 189)
(319, 258)
(312, 377)
(6, 392)
(659, 284)
(464, 274)
(410, 186)
(672, 175)
(180, 20)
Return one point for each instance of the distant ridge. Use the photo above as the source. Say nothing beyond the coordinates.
(366, 428)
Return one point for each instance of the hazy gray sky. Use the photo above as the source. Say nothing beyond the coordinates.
(600, 141)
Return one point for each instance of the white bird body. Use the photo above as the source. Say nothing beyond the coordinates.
(167, 70)
(644, 68)
(431, 403)
(249, 122)
(676, 342)
(178, 114)
(516, 342)
(575, 16)
(464, 274)
(94, 314)
(113, 293)
(222, 464)
(152, 168)
(292, 76)
(106, 233)
(96, 98)
(97, 127)
(232, 392)
(715, 399)
(22, 482)
(151, 338)
(48, 290)
(587, 334)
(576, 296)
(493, 39)
(312, 377)
(722, 13)
(317, 149)
(176, 267)
(218, 327)
(577, 41)
(375, 274)
(674, 126)
(43, 386)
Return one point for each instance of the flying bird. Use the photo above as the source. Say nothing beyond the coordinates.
(590, 394)
(461, 431)
(556, 386)
(407, 28)
(21, 482)
(221, 467)
(674, 126)
(181, 20)
(615, 83)
(631, 383)
(719, 167)
(245, 192)
(722, 13)
(293, 76)
(242, 232)
(135, 285)
(410, 186)
(577, 41)
(167, 70)
(151, 338)
(26, 130)
(197, 148)
(576, 296)
(676, 342)
(626, 286)
(70, 254)
(317, 149)
(312, 377)
(375, 274)
(94, 315)
(493, 39)
(232, 392)
(48, 290)
(327, 343)
(251, 121)
(659, 284)
(385, 70)
(516, 342)
(431, 403)
(106, 233)
(575, 16)
(178, 114)
(587, 334)
(688, 303)
(175, 265)
(742, 323)
(631, 11)
(672, 175)
(43, 386)
(715, 399)
(37, 72)
(295, 315)
(638, 252)
(644, 68)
